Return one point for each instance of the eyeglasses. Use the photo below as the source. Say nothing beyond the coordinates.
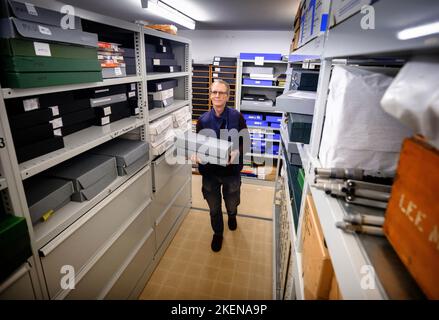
(221, 93)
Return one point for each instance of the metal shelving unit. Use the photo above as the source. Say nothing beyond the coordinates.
(12, 174)
(346, 40)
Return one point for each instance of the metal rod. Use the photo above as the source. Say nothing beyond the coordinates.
(362, 219)
(372, 230)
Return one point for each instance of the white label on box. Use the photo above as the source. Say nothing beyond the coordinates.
(164, 49)
(171, 69)
(42, 49)
(31, 9)
(156, 62)
(30, 104)
(131, 94)
(102, 90)
(215, 75)
(161, 42)
(105, 120)
(216, 63)
(133, 86)
(57, 133)
(45, 30)
(136, 110)
(217, 69)
(118, 71)
(107, 111)
(257, 81)
(217, 59)
(159, 87)
(259, 61)
(55, 111)
(56, 123)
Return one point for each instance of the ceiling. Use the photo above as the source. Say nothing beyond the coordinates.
(209, 14)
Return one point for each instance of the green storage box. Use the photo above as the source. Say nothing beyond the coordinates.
(29, 48)
(48, 64)
(38, 79)
(301, 178)
(15, 246)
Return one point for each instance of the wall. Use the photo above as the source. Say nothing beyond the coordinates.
(209, 43)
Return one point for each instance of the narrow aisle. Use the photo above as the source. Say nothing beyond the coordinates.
(242, 269)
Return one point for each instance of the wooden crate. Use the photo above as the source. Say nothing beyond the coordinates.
(412, 216)
(316, 262)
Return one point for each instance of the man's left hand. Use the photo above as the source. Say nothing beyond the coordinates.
(233, 155)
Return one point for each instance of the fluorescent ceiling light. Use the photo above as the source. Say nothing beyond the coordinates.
(419, 31)
(163, 10)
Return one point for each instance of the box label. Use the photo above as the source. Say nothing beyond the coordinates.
(217, 69)
(55, 111)
(31, 9)
(164, 49)
(44, 30)
(171, 69)
(56, 123)
(118, 71)
(105, 120)
(259, 61)
(30, 104)
(156, 62)
(131, 94)
(136, 110)
(159, 87)
(107, 111)
(57, 133)
(216, 63)
(133, 86)
(42, 49)
(215, 75)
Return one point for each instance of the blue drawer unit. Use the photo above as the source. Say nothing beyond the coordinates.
(266, 56)
(275, 125)
(252, 116)
(257, 123)
(273, 119)
(254, 82)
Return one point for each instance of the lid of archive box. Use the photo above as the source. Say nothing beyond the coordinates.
(126, 151)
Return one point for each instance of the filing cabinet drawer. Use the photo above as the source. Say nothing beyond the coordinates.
(163, 169)
(80, 242)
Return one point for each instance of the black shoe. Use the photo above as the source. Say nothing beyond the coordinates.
(232, 222)
(217, 242)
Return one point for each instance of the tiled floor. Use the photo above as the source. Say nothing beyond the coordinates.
(242, 269)
(256, 200)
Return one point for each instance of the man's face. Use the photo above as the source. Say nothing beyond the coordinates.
(218, 95)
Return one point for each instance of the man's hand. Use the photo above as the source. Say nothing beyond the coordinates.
(195, 158)
(233, 155)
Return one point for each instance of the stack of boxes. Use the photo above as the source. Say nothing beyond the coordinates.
(129, 56)
(182, 119)
(112, 61)
(258, 137)
(200, 89)
(161, 93)
(159, 56)
(37, 52)
(224, 68)
(258, 76)
(256, 101)
(161, 135)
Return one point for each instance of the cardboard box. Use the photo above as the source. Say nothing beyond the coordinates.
(163, 95)
(89, 173)
(412, 215)
(45, 195)
(334, 292)
(316, 262)
(207, 146)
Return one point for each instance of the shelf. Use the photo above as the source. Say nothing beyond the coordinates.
(297, 102)
(65, 216)
(165, 75)
(289, 145)
(268, 110)
(9, 93)
(3, 184)
(265, 87)
(263, 128)
(154, 114)
(164, 35)
(310, 51)
(77, 143)
(349, 39)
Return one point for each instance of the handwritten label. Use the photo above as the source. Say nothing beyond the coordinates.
(45, 30)
(42, 49)
(30, 104)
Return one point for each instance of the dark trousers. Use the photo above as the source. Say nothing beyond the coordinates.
(212, 193)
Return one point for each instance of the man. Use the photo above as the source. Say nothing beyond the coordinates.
(221, 117)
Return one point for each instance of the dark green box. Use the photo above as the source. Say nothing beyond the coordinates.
(20, 47)
(15, 246)
(39, 79)
(48, 64)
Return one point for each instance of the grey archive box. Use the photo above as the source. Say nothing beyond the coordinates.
(163, 103)
(258, 70)
(131, 155)
(207, 146)
(29, 12)
(89, 173)
(44, 194)
(117, 72)
(261, 104)
(16, 28)
(105, 101)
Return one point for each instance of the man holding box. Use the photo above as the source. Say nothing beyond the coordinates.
(224, 122)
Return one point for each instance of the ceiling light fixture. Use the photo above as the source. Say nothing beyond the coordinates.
(419, 31)
(165, 11)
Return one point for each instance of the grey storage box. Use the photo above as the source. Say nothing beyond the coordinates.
(164, 103)
(44, 194)
(89, 173)
(258, 70)
(131, 155)
(106, 101)
(261, 104)
(28, 12)
(15, 28)
(204, 158)
(207, 146)
(117, 72)
(297, 102)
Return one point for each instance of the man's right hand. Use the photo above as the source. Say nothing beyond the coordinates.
(195, 158)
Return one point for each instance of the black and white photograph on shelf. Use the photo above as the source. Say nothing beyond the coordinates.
(219, 158)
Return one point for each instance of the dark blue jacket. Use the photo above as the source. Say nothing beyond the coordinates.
(230, 119)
